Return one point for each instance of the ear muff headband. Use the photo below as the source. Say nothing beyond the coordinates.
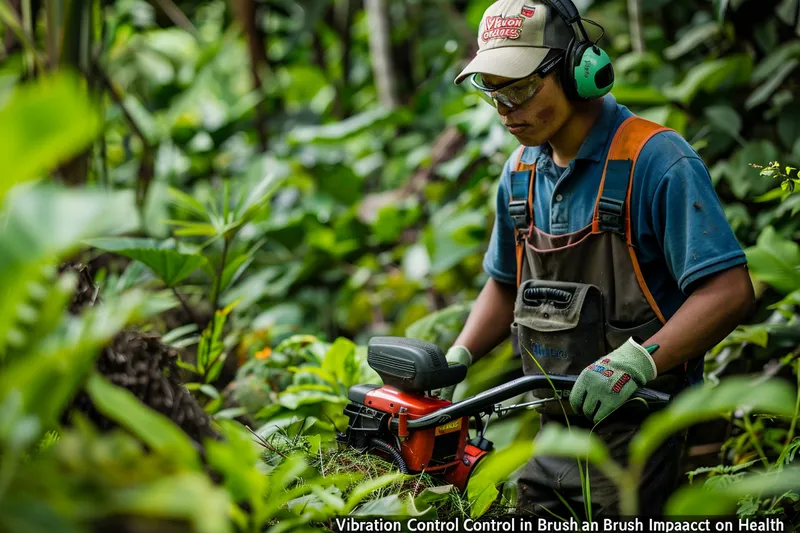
(588, 71)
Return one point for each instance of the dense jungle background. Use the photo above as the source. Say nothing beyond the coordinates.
(209, 208)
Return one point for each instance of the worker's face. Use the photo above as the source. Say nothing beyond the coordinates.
(538, 119)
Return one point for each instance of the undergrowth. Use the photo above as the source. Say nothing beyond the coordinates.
(347, 460)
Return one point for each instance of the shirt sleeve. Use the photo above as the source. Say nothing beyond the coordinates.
(690, 224)
(500, 260)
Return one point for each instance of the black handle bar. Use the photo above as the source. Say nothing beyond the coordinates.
(485, 401)
(537, 295)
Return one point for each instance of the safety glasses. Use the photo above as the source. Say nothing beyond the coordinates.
(516, 93)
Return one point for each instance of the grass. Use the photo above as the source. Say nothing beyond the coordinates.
(343, 460)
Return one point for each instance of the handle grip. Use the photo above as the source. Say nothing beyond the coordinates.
(657, 398)
(485, 401)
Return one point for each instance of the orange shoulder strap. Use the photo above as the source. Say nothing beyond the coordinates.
(612, 210)
(520, 206)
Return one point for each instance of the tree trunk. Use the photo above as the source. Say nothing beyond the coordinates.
(245, 13)
(380, 50)
(342, 24)
(76, 53)
(11, 43)
(635, 18)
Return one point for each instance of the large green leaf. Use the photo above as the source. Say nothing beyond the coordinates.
(763, 92)
(725, 119)
(627, 94)
(771, 64)
(775, 260)
(187, 496)
(692, 39)
(257, 198)
(345, 129)
(340, 361)
(366, 488)
(707, 402)
(45, 223)
(394, 507)
(637, 61)
(712, 76)
(153, 428)
(562, 441)
(42, 124)
(492, 470)
(170, 266)
(449, 237)
(300, 83)
(185, 201)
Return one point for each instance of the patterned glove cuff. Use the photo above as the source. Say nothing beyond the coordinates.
(641, 349)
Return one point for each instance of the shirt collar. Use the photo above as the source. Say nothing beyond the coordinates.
(594, 146)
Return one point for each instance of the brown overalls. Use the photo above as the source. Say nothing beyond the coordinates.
(580, 296)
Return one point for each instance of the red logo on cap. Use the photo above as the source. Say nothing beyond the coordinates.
(502, 28)
(528, 11)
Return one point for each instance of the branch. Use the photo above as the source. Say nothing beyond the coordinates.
(117, 97)
(186, 308)
(178, 17)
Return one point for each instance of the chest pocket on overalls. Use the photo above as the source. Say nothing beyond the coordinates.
(559, 325)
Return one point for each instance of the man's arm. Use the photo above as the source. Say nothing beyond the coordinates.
(714, 309)
(490, 319)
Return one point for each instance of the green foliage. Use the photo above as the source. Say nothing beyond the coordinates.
(703, 403)
(775, 261)
(43, 124)
(723, 500)
(491, 471)
(152, 428)
(294, 217)
(712, 76)
(170, 266)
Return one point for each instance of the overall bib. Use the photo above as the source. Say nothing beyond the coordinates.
(579, 297)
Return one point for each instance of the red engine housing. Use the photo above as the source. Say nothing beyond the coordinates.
(442, 450)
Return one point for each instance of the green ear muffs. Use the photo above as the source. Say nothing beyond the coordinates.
(587, 73)
(591, 71)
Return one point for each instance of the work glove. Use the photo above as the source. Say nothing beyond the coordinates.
(455, 355)
(607, 383)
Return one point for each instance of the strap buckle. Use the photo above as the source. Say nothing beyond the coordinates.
(610, 213)
(520, 214)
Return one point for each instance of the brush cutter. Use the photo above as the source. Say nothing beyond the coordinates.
(405, 423)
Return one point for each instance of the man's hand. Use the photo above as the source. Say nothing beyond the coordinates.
(608, 383)
(456, 354)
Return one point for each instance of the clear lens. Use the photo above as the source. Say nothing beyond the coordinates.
(512, 95)
(515, 93)
(519, 92)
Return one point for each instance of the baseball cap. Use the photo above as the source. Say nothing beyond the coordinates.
(515, 37)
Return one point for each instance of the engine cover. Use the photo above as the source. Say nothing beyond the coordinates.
(430, 450)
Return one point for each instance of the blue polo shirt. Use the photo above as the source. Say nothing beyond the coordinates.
(680, 232)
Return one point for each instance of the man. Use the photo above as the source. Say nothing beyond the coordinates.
(610, 253)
